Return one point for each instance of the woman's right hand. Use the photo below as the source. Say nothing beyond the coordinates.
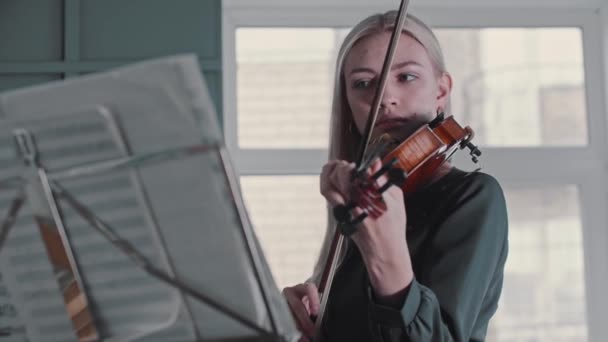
(303, 300)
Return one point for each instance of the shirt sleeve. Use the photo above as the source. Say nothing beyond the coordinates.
(462, 277)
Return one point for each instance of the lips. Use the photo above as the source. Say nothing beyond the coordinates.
(398, 127)
(391, 123)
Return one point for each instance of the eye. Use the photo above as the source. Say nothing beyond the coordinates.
(407, 77)
(361, 84)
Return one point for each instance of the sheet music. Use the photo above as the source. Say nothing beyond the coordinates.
(132, 302)
(10, 320)
(168, 206)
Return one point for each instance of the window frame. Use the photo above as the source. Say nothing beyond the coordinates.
(584, 166)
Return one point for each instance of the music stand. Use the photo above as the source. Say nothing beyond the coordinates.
(122, 218)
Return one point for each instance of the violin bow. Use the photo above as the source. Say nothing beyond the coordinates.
(338, 239)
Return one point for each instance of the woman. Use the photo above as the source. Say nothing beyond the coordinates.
(431, 267)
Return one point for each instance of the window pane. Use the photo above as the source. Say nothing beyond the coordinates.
(284, 84)
(289, 217)
(513, 86)
(516, 86)
(543, 297)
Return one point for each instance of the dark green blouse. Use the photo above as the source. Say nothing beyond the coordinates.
(457, 237)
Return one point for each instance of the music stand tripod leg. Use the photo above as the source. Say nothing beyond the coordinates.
(56, 240)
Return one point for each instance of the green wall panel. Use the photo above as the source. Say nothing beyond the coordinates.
(31, 30)
(16, 81)
(118, 29)
(44, 40)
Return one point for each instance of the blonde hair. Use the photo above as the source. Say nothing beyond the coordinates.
(344, 137)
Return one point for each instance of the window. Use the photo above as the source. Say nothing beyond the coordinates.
(522, 84)
(505, 78)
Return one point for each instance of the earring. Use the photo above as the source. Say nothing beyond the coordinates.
(440, 113)
(437, 120)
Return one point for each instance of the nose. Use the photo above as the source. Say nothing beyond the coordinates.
(389, 98)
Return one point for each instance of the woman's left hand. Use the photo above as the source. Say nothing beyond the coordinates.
(381, 240)
(383, 243)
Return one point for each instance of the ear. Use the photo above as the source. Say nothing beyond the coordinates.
(444, 88)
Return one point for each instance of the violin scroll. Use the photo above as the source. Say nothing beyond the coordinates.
(474, 150)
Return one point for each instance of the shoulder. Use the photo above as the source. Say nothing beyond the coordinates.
(466, 199)
(482, 185)
(477, 198)
(461, 186)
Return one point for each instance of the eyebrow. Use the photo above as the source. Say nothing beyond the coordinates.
(393, 67)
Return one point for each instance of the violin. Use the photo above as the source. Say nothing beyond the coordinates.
(409, 165)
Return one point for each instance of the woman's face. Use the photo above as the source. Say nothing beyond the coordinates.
(414, 91)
